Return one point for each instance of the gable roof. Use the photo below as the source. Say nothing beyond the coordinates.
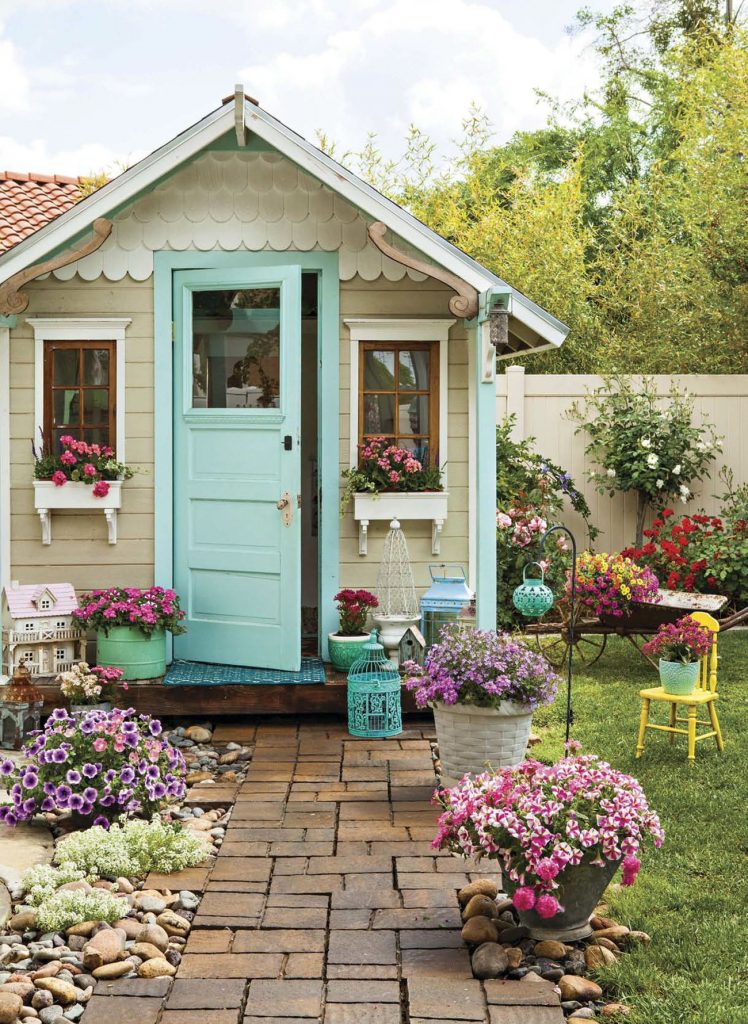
(536, 327)
(23, 600)
(29, 201)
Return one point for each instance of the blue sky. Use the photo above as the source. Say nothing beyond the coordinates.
(85, 83)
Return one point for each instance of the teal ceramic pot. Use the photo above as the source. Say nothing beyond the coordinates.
(344, 650)
(677, 678)
(580, 890)
(139, 655)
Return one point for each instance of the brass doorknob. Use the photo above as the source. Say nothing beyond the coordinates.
(283, 503)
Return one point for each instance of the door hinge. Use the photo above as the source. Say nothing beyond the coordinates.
(298, 501)
(172, 330)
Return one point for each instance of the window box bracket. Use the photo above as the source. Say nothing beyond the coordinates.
(73, 496)
(428, 505)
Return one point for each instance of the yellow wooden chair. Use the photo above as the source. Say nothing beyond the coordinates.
(704, 694)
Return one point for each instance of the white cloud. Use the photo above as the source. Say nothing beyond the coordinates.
(422, 61)
(36, 156)
(14, 80)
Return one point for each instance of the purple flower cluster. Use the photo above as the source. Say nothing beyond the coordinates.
(104, 763)
(481, 667)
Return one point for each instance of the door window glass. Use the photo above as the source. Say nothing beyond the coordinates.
(236, 349)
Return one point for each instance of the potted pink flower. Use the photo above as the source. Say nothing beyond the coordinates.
(346, 645)
(559, 832)
(679, 646)
(131, 626)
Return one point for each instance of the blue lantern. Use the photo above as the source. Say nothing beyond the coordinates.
(533, 597)
(448, 600)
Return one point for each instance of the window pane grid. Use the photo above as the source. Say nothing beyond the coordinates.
(83, 406)
(392, 390)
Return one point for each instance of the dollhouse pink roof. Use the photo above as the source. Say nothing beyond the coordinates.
(24, 600)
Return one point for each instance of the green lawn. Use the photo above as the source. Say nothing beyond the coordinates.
(692, 894)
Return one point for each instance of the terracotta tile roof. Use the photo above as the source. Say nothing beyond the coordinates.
(29, 201)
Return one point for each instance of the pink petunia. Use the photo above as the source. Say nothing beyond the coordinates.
(99, 744)
(547, 906)
(524, 898)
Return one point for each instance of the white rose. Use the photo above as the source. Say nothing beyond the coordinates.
(652, 460)
(646, 443)
(659, 484)
(684, 490)
(611, 472)
(676, 469)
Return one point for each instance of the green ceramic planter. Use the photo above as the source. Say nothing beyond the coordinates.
(138, 655)
(344, 650)
(677, 678)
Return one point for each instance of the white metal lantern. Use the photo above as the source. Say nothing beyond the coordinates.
(396, 590)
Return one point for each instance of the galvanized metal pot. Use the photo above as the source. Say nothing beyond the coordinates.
(580, 890)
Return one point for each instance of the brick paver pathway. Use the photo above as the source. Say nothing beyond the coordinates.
(326, 902)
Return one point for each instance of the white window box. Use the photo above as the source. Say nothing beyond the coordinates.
(403, 506)
(76, 495)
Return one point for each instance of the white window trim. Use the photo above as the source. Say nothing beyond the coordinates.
(81, 329)
(400, 329)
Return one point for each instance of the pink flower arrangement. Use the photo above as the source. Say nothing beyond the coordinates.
(151, 609)
(85, 684)
(353, 609)
(524, 525)
(80, 462)
(682, 641)
(538, 820)
(385, 467)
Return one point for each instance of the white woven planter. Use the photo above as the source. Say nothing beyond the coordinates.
(472, 739)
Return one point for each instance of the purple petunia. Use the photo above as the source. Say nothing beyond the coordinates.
(63, 794)
(7, 767)
(127, 775)
(90, 770)
(30, 780)
(90, 794)
(73, 777)
(76, 802)
(59, 756)
(102, 822)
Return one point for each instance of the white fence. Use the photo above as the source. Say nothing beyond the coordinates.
(541, 404)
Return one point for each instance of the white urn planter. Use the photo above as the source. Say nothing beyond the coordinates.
(75, 494)
(391, 631)
(471, 739)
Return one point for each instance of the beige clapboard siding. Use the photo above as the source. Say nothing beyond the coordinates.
(427, 299)
(543, 402)
(79, 551)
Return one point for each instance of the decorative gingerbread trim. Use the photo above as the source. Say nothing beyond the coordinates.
(13, 300)
(463, 304)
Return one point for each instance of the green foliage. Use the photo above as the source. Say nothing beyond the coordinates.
(131, 849)
(64, 909)
(41, 881)
(642, 445)
(625, 215)
(531, 492)
(690, 895)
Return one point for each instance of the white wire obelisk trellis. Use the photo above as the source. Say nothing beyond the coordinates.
(396, 591)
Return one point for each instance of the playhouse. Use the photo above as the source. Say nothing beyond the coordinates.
(236, 314)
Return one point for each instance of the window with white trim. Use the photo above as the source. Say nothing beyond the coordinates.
(79, 379)
(399, 385)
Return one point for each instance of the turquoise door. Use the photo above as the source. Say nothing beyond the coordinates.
(237, 349)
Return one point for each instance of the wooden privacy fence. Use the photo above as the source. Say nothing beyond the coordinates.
(541, 403)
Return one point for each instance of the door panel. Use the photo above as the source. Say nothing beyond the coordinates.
(236, 399)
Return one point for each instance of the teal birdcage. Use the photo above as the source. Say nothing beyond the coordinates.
(374, 693)
(448, 600)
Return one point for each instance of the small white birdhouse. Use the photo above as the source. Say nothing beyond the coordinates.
(412, 647)
(39, 629)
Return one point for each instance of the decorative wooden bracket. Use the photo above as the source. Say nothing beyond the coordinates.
(463, 304)
(239, 124)
(13, 300)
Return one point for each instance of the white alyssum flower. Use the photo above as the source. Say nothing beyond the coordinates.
(652, 460)
(611, 473)
(659, 484)
(646, 443)
(676, 469)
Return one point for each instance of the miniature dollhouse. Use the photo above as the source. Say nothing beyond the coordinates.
(39, 629)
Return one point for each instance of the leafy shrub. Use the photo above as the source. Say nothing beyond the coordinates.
(531, 492)
(132, 848)
(643, 445)
(99, 763)
(43, 880)
(64, 909)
